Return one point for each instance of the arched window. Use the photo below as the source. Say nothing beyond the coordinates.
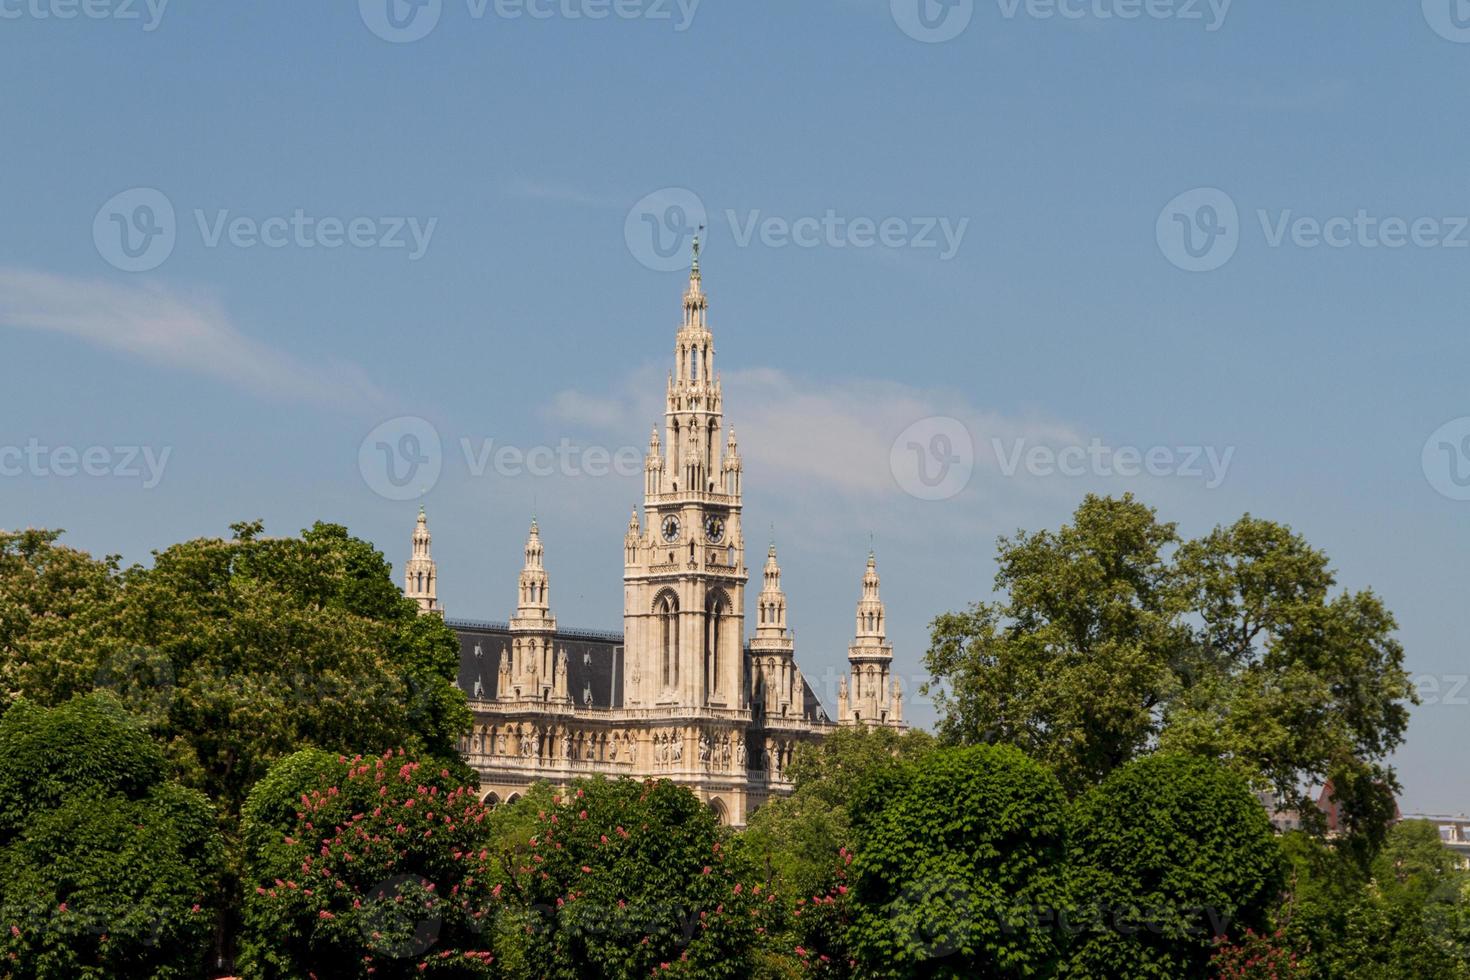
(666, 608)
(715, 611)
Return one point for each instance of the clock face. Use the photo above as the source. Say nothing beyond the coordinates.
(714, 528)
(671, 528)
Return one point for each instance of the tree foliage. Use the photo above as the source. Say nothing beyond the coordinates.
(55, 605)
(107, 868)
(959, 861)
(1169, 855)
(1407, 915)
(1113, 637)
(236, 652)
(797, 839)
(375, 867)
(626, 879)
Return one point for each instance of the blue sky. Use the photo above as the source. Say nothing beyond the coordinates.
(1067, 149)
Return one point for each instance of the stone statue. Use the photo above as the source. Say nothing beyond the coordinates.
(500, 743)
(678, 747)
(704, 748)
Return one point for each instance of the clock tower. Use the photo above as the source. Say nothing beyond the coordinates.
(684, 564)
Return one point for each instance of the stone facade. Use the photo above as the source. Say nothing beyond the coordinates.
(680, 693)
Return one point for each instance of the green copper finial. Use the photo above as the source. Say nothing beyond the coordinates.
(695, 267)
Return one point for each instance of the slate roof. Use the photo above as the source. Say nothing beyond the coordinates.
(594, 664)
(594, 661)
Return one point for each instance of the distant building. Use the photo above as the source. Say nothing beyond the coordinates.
(1453, 830)
(681, 692)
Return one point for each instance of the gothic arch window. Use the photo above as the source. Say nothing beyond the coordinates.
(666, 609)
(716, 609)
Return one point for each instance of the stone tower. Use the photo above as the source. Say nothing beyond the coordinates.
(420, 576)
(684, 566)
(873, 697)
(532, 666)
(776, 688)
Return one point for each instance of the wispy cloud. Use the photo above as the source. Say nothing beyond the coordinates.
(156, 325)
(803, 434)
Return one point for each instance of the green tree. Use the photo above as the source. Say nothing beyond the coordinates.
(55, 603)
(107, 868)
(376, 867)
(797, 839)
(1408, 916)
(237, 653)
(958, 870)
(1295, 684)
(1114, 638)
(1076, 665)
(1170, 854)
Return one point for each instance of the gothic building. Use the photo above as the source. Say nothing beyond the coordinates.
(680, 692)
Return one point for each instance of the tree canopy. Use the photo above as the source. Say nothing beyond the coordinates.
(958, 857)
(1168, 856)
(107, 867)
(1113, 637)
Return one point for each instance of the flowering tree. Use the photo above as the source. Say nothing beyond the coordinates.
(372, 867)
(626, 879)
(1257, 956)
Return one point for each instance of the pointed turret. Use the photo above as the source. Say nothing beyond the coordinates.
(533, 626)
(420, 575)
(872, 698)
(774, 677)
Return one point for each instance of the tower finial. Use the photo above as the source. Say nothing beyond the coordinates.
(694, 269)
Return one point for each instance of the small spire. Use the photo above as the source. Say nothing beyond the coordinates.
(694, 268)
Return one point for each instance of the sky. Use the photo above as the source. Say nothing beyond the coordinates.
(968, 260)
